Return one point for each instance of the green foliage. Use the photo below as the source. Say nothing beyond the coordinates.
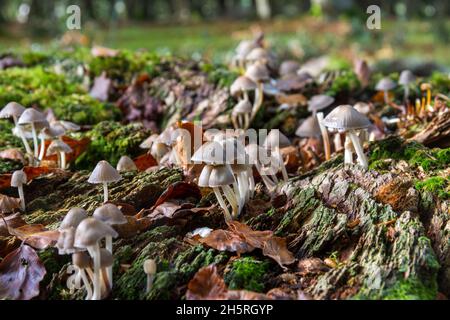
(435, 185)
(7, 139)
(440, 82)
(219, 74)
(346, 82)
(411, 289)
(111, 140)
(247, 273)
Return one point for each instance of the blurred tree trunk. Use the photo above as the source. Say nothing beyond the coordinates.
(263, 9)
(89, 8)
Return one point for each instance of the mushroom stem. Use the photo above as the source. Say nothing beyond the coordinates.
(362, 159)
(406, 92)
(42, 149)
(251, 181)
(348, 154)
(63, 160)
(326, 139)
(270, 185)
(150, 278)
(386, 97)
(94, 251)
(234, 121)
(281, 164)
(222, 204)
(35, 140)
(86, 283)
(259, 97)
(106, 283)
(242, 182)
(232, 199)
(22, 136)
(105, 192)
(109, 247)
(246, 121)
(22, 197)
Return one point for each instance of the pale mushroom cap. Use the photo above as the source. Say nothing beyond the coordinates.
(166, 136)
(109, 214)
(58, 146)
(221, 175)
(319, 102)
(51, 132)
(147, 143)
(19, 130)
(150, 266)
(66, 125)
(81, 259)
(211, 152)
(276, 139)
(126, 164)
(288, 67)
(244, 47)
(242, 107)
(257, 72)
(12, 109)
(8, 204)
(257, 54)
(159, 149)
(203, 179)
(65, 243)
(104, 172)
(362, 107)
(90, 231)
(73, 218)
(309, 128)
(18, 178)
(234, 150)
(344, 118)
(106, 258)
(406, 77)
(385, 84)
(242, 84)
(30, 116)
(256, 153)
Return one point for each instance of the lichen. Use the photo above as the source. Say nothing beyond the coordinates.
(247, 273)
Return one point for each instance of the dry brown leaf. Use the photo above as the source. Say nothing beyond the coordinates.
(20, 274)
(10, 221)
(179, 190)
(145, 161)
(207, 284)
(292, 99)
(12, 154)
(276, 248)
(8, 204)
(36, 235)
(224, 240)
(255, 239)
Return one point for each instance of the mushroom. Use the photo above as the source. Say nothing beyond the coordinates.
(126, 164)
(240, 116)
(406, 78)
(106, 262)
(217, 174)
(14, 110)
(319, 102)
(82, 261)
(242, 85)
(346, 119)
(8, 204)
(258, 73)
(273, 142)
(73, 218)
(111, 215)
(88, 235)
(258, 156)
(65, 243)
(37, 121)
(242, 50)
(64, 125)
(385, 84)
(147, 143)
(288, 68)
(104, 173)
(150, 271)
(59, 148)
(426, 87)
(48, 134)
(18, 179)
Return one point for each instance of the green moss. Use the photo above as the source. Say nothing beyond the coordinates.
(111, 140)
(53, 263)
(7, 139)
(436, 185)
(8, 165)
(247, 273)
(219, 74)
(346, 82)
(411, 289)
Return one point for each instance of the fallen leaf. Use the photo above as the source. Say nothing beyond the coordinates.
(10, 221)
(224, 240)
(21, 271)
(8, 204)
(145, 161)
(256, 239)
(100, 89)
(245, 295)
(311, 266)
(276, 249)
(292, 99)
(36, 235)
(207, 284)
(12, 154)
(179, 190)
(133, 226)
(78, 147)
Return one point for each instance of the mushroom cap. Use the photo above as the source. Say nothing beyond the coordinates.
(309, 128)
(385, 84)
(345, 117)
(30, 116)
(425, 86)
(319, 102)
(109, 214)
(241, 84)
(257, 72)
(234, 150)
(18, 178)
(244, 47)
(12, 109)
(288, 67)
(65, 125)
(211, 152)
(19, 130)
(159, 149)
(126, 164)
(104, 172)
(242, 107)
(406, 77)
(51, 132)
(73, 218)
(147, 143)
(90, 231)
(81, 259)
(257, 53)
(362, 107)
(65, 243)
(58, 146)
(203, 179)
(8, 204)
(255, 153)
(276, 139)
(221, 175)
(150, 266)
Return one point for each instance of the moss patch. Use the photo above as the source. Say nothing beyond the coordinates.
(247, 273)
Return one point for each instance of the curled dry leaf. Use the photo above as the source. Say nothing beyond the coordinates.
(133, 226)
(276, 248)
(145, 161)
(207, 284)
(256, 239)
(12, 154)
(36, 235)
(10, 221)
(224, 240)
(8, 204)
(179, 190)
(20, 274)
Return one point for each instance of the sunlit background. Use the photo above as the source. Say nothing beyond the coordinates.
(413, 31)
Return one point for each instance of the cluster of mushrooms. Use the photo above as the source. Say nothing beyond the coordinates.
(31, 124)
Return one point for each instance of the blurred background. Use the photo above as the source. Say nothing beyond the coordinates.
(411, 30)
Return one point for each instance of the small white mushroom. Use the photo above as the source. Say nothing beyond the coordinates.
(405, 80)
(48, 134)
(37, 121)
(14, 110)
(82, 262)
(385, 84)
(240, 116)
(150, 271)
(126, 164)
(104, 173)
(273, 142)
(59, 148)
(258, 73)
(18, 179)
